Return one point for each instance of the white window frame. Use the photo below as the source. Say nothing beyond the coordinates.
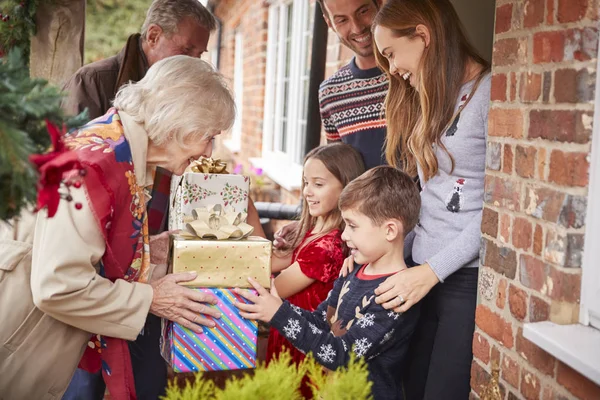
(284, 165)
(234, 144)
(578, 345)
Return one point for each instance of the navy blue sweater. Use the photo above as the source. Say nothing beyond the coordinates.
(350, 320)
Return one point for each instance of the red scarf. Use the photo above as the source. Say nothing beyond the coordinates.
(104, 165)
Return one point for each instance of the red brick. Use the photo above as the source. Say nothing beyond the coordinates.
(502, 192)
(573, 212)
(479, 377)
(506, 52)
(510, 371)
(498, 86)
(574, 86)
(494, 325)
(581, 44)
(550, 12)
(525, 161)
(513, 86)
(531, 386)
(522, 234)
(533, 272)
(548, 47)
(505, 122)
(517, 302)
(543, 203)
(531, 87)
(538, 240)
(564, 286)
(555, 250)
(539, 310)
(501, 259)
(501, 296)
(489, 222)
(495, 357)
(505, 228)
(541, 164)
(559, 125)
(569, 169)
(507, 159)
(480, 380)
(481, 348)
(534, 13)
(576, 383)
(537, 357)
(503, 18)
(571, 10)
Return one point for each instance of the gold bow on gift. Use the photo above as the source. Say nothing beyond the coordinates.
(207, 166)
(215, 222)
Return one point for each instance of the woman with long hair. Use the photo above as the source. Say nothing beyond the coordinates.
(437, 108)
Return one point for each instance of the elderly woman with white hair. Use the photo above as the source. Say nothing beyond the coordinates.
(91, 268)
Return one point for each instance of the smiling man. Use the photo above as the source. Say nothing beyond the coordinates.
(172, 27)
(351, 100)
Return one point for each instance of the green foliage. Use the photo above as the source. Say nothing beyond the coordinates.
(17, 24)
(25, 104)
(108, 25)
(349, 383)
(281, 380)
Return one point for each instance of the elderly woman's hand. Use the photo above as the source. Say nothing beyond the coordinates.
(181, 304)
(406, 288)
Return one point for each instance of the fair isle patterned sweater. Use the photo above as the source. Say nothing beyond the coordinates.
(351, 105)
(350, 320)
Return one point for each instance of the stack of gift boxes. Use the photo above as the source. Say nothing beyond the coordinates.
(209, 206)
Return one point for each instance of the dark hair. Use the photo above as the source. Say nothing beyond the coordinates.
(324, 10)
(384, 193)
(345, 163)
(416, 118)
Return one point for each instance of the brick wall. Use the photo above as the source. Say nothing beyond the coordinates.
(544, 75)
(251, 18)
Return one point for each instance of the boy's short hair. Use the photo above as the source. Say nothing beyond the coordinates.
(384, 193)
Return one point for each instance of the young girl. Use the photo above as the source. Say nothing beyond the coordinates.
(437, 108)
(317, 251)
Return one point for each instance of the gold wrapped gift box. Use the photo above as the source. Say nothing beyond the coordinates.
(222, 263)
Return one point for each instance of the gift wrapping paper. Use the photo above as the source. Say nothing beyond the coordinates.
(230, 345)
(195, 190)
(222, 263)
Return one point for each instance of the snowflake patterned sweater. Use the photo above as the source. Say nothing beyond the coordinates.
(351, 320)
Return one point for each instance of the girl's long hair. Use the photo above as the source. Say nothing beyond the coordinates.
(346, 164)
(417, 118)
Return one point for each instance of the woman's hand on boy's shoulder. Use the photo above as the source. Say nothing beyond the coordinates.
(262, 307)
(406, 288)
(348, 266)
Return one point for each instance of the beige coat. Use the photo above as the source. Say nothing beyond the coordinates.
(51, 296)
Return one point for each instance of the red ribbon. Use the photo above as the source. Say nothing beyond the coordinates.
(51, 166)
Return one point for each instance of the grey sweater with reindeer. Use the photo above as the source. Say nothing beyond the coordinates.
(349, 321)
(448, 234)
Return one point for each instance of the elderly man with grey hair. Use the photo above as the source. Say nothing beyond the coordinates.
(89, 268)
(172, 27)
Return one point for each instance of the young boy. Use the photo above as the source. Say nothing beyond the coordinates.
(379, 209)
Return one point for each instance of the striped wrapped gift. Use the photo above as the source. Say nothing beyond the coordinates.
(230, 345)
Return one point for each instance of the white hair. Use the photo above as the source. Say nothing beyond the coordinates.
(169, 13)
(180, 98)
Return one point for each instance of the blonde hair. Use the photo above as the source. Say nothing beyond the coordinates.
(417, 118)
(180, 97)
(168, 14)
(345, 164)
